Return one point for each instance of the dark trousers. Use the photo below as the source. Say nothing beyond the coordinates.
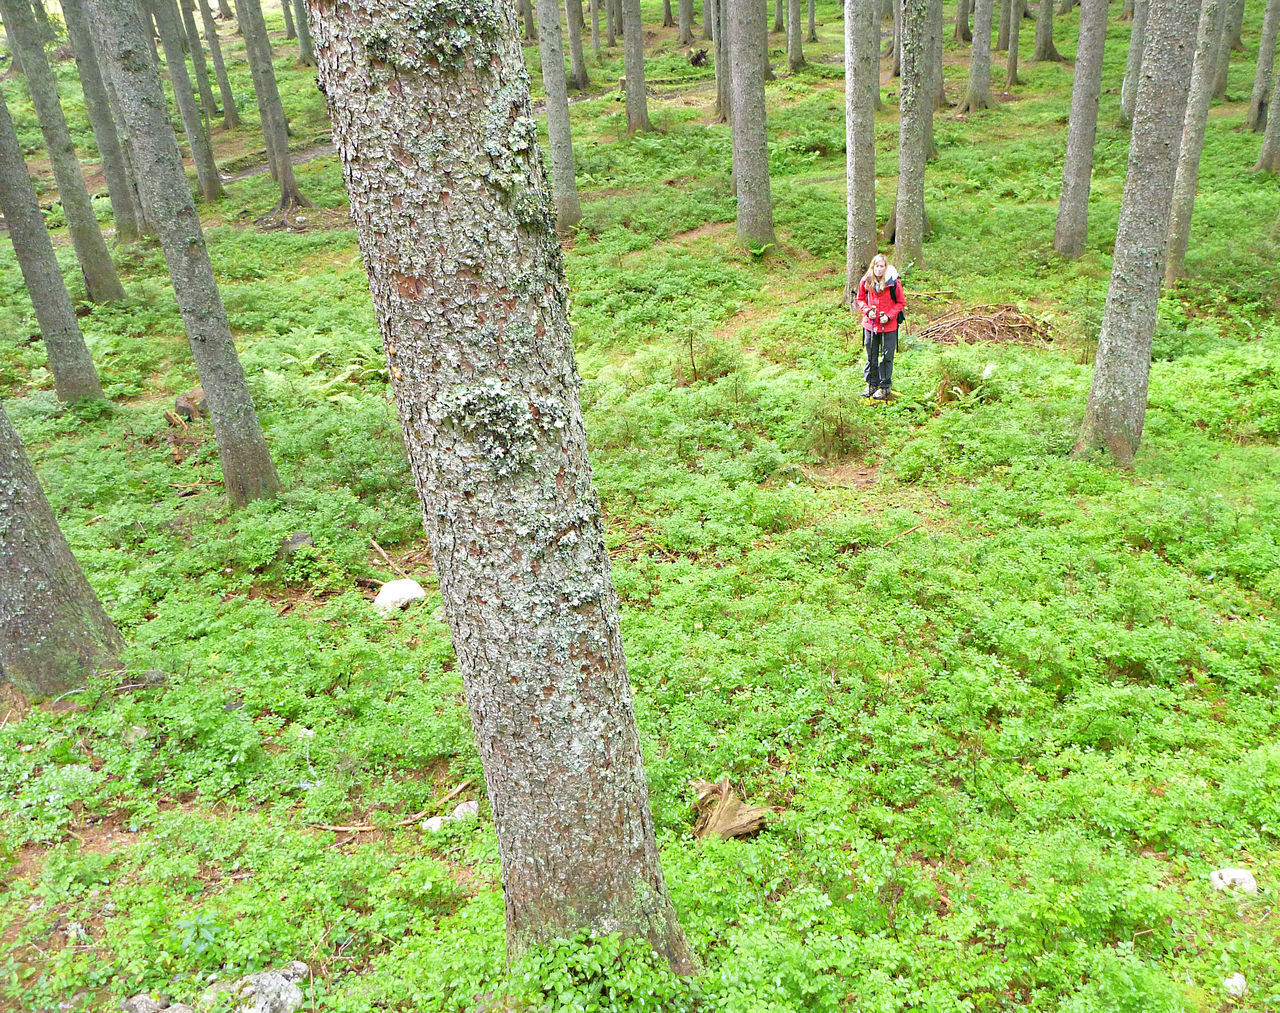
(880, 349)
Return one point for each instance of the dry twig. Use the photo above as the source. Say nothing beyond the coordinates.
(364, 828)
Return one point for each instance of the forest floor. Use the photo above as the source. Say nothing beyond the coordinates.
(1009, 707)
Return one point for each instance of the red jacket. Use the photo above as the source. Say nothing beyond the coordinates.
(888, 301)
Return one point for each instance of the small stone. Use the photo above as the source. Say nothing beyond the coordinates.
(133, 735)
(141, 1003)
(273, 991)
(1238, 879)
(396, 594)
(465, 809)
(1235, 985)
(296, 541)
(433, 825)
(179, 1007)
(191, 404)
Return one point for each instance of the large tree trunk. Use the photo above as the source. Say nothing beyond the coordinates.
(230, 117)
(577, 62)
(686, 23)
(471, 298)
(1269, 156)
(1045, 49)
(795, 51)
(165, 14)
(1006, 15)
(1082, 127)
(1212, 23)
(1222, 62)
(247, 470)
(563, 185)
(962, 33)
(724, 69)
(1118, 397)
(306, 51)
(633, 67)
(1260, 98)
(861, 84)
(100, 278)
(978, 91)
(1011, 57)
(124, 203)
(750, 146)
(915, 103)
(73, 374)
(274, 126)
(1133, 61)
(198, 66)
(53, 630)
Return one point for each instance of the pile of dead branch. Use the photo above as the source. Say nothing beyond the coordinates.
(987, 323)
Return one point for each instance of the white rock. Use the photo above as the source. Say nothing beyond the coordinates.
(434, 824)
(141, 1003)
(1235, 985)
(464, 809)
(1239, 879)
(274, 991)
(396, 594)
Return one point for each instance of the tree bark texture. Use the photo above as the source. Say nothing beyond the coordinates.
(1077, 170)
(861, 83)
(165, 14)
(1212, 22)
(686, 23)
(230, 116)
(962, 33)
(1222, 63)
(1269, 157)
(750, 145)
(563, 185)
(1045, 49)
(441, 161)
(813, 22)
(1260, 97)
(1235, 25)
(595, 28)
(124, 203)
(100, 278)
(1002, 36)
(74, 376)
(706, 19)
(247, 470)
(1011, 57)
(1118, 396)
(633, 65)
(53, 630)
(914, 105)
(1133, 61)
(779, 15)
(306, 50)
(198, 67)
(290, 32)
(896, 70)
(577, 62)
(795, 51)
(977, 93)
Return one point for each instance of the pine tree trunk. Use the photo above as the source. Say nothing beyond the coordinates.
(224, 12)
(1235, 25)
(707, 6)
(230, 115)
(779, 16)
(74, 376)
(765, 62)
(198, 66)
(54, 632)
(247, 470)
(47, 32)
(962, 22)
(724, 69)
(530, 26)
(1082, 127)
(1064, 7)
(290, 31)
(746, 27)
(484, 378)
(1222, 62)
(633, 66)
(100, 278)
(1133, 62)
(897, 39)
(124, 203)
(978, 91)
(935, 89)
(1002, 36)
(306, 51)
(686, 23)
(1212, 23)
(563, 185)
(610, 29)
(1118, 396)
(813, 22)
(1045, 49)
(126, 142)
(577, 62)
(1011, 60)
(915, 101)
(795, 51)
(1126, 12)
(165, 14)
(861, 84)
(1269, 157)
(1260, 98)
(595, 27)
(668, 18)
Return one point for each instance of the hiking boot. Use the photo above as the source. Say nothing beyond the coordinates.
(869, 392)
(881, 394)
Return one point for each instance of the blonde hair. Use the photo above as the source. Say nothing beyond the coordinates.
(870, 278)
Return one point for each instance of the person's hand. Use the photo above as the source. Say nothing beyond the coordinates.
(884, 318)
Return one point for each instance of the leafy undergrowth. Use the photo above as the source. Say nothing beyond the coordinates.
(1011, 707)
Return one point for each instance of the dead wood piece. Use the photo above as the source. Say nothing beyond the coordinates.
(722, 814)
(988, 323)
(364, 828)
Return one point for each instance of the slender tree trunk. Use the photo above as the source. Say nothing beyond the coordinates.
(813, 22)
(595, 27)
(1002, 36)
(165, 14)
(306, 51)
(1222, 62)
(686, 23)
(978, 91)
(230, 116)
(861, 85)
(724, 69)
(577, 62)
(198, 66)
(1011, 61)
(274, 125)
(530, 26)
(766, 64)
(124, 204)
(1118, 397)
(779, 15)
(914, 106)
(101, 281)
(1269, 157)
(962, 22)
(145, 224)
(224, 12)
(633, 65)
(610, 32)
(1212, 22)
(795, 52)
(668, 18)
(1082, 127)
(1260, 98)
(750, 146)
(483, 373)
(1064, 8)
(897, 39)
(73, 374)
(706, 19)
(47, 32)
(563, 185)
(54, 632)
(1045, 49)
(1133, 62)
(290, 31)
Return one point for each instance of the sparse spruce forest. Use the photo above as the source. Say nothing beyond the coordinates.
(989, 663)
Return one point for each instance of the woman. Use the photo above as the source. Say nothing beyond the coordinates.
(881, 304)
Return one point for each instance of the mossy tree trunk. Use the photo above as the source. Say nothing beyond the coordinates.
(861, 84)
(1077, 169)
(456, 226)
(230, 115)
(165, 13)
(1260, 97)
(746, 27)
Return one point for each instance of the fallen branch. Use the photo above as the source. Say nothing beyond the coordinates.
(387, 559)
(364, 828)
(900, 534)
